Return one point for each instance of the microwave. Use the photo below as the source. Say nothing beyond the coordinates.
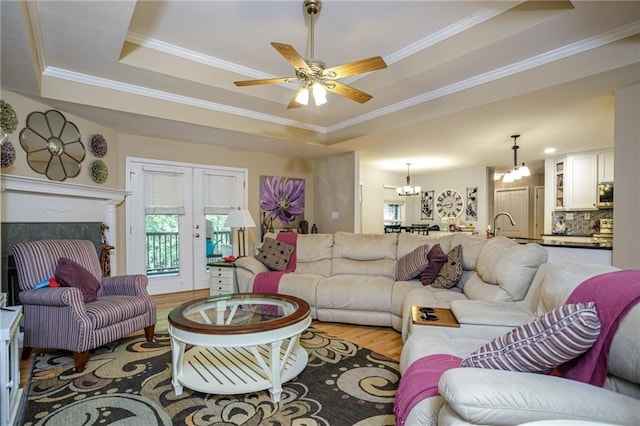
(605, 194)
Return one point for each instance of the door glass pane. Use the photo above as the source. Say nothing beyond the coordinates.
(219, 238)
(162, 244)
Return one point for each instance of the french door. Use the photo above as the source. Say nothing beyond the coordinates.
(175, 216)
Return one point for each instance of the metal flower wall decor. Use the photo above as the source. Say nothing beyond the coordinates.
(52, 145)
(281, 202)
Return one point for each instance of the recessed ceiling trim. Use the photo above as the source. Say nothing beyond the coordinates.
(166, 96)
(517, 67)
(192, 55)
(447, 32)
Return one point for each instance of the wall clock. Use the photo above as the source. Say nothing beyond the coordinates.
(449, 203)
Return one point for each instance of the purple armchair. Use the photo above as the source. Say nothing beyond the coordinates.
(59, 318)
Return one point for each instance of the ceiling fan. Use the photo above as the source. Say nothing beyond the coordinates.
(314, 76)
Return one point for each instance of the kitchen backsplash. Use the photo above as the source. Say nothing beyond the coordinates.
(582, 223)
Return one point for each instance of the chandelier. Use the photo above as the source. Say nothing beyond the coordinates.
(408, 189)
(518, 171)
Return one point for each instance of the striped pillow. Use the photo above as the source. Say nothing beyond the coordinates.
(411, 265)
(543, 344)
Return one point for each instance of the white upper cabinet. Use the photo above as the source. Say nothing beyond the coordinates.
(605, 166)
(581, 181)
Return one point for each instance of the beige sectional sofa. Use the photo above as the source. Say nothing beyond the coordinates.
(474, 396)
(351, 278)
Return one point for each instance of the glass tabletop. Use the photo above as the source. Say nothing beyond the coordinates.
(238, 313)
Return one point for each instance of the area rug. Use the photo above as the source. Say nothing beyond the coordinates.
(129, 383)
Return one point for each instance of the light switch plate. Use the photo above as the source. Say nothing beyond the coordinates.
(335, 215)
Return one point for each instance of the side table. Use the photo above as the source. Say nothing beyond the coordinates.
(10, 392)
(222, 278)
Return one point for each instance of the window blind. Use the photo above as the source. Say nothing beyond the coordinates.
(163, 192)
(391, 196)
(222, 192)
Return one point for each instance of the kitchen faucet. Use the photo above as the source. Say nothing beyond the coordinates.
(495, 230)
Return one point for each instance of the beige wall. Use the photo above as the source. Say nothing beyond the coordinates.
(374, 180)
(626, 229)
(24, 106)
(122, 146)
(258, 164)
(336, 187)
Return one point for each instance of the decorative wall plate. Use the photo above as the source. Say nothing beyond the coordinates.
(52, 145)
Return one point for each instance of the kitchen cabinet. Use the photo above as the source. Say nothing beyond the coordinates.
(581, 181)
(605, 166)
(559, 184)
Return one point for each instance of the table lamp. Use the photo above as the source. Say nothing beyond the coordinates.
(240, 218)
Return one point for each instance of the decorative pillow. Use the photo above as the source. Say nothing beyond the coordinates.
(411, 265)
(437, 258)
(275, 254)
(71, 274)
(545, 343)
(451, 271)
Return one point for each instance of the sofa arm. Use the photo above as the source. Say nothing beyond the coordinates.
(480, 312)
(251, 264)
(52, 296)
(484, 396)
(124, 285)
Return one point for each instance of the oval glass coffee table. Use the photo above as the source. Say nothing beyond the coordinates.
(238, 343)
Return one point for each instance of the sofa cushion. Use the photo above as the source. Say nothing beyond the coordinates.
(364, 246)
(451, 271)
(313, 247)
(411, 265)
(543, 344)
(471, 248)
(275, 254)
(71, 274)
(313, 254)
(509, 265)
(436, 258)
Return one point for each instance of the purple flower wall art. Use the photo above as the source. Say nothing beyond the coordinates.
(281, 202)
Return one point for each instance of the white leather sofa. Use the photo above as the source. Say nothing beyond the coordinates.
(351, 278)
(475, 396)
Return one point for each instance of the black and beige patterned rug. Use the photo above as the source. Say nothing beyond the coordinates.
(129, 383)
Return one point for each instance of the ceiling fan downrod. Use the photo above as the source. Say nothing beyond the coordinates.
(312, 8)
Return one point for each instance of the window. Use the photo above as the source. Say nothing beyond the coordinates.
(393, 206)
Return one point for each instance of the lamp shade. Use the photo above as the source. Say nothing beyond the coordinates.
(239, 218)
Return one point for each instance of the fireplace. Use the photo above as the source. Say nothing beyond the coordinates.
(37, 209)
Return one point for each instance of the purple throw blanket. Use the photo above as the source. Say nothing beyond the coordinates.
(268, 282)
(614, 293)
(420, 381)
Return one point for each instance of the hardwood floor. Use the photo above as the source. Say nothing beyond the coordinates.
(383, 340)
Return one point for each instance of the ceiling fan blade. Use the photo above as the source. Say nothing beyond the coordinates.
(348, 92)
(265, 81)
(294, 103)
(292, 56)
(357, 67)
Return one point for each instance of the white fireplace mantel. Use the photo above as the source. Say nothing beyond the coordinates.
(28, 199)
(42, 186)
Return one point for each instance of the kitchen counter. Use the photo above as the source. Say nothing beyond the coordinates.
(550, 242)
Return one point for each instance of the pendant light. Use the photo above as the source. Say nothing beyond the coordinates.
(407, 189)
(518, 171)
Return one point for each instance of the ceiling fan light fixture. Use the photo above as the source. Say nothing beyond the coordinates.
(303, 97)
(319, 94)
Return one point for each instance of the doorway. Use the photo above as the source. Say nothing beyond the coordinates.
(175, 215)
(514, 201)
